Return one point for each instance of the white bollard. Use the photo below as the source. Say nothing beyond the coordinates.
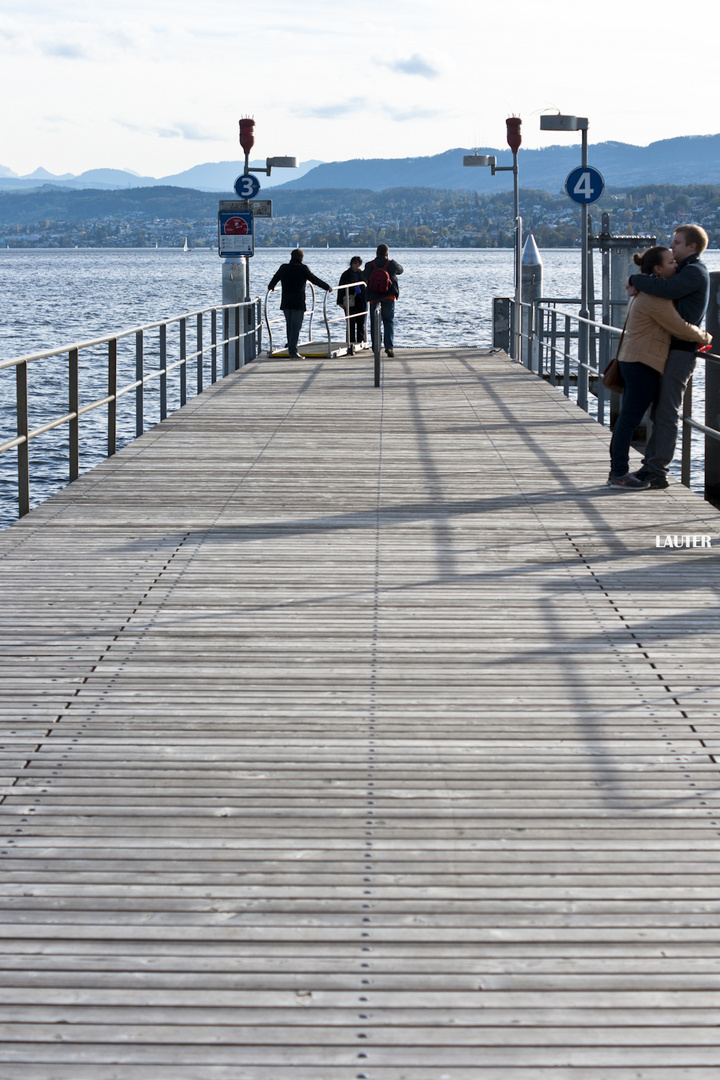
(532, 285)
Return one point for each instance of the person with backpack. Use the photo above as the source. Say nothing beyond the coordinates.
(381, 275)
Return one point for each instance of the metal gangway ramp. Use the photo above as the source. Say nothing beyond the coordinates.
(357, 734)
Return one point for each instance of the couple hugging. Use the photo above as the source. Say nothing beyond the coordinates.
(657, 353)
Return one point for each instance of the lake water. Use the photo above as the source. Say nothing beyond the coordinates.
(53, 298)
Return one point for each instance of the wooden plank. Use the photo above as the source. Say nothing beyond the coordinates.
(353, 733)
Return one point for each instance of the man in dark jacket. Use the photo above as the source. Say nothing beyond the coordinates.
(294, 276)
(690, 289)
(381, 275)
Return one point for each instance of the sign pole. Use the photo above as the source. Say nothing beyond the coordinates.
(584, 329)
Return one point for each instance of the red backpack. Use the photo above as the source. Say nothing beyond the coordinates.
(380, 281)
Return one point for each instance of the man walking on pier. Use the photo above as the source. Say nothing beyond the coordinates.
(381, 275)
(294, 276)
(690, 289)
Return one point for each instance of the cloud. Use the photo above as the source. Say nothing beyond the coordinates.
(416, 113)
(194, 134)
(120, 39)
(330, 112)
(414, 65)
(64, 49)
(176, 131)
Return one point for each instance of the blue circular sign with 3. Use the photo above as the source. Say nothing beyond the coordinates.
(247, 186)
(584, 184)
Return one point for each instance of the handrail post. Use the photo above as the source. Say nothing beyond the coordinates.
(139, 394)
(112, 403)
(183, 361)
(258, 327)
(376, 337)
(199, 350)
(566, 358)
(23, 450)
(553, 346)
(226, 341)
(537, 322)
(312, 312)
(213, 345)
(163, 371)
(327, 324)
(74, 422)
(686, 437)
(346, 309)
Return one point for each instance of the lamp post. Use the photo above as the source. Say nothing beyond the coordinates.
(236, 270)
(514, 140)
(559, 122)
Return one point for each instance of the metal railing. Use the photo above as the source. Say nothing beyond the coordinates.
(235, 346)
(345, 317)
(549, 335)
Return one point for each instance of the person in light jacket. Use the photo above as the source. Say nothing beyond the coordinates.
(651, 323)
(689, 289)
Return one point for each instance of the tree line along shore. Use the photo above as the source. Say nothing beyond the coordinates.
(344, 218)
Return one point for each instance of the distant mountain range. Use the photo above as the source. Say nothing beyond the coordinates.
(691, 159)
(213, 176)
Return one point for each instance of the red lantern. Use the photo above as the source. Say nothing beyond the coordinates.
(247, 134)
(514, 138)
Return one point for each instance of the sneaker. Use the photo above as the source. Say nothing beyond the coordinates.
(628, 482)
(657, 483)
(390, 353)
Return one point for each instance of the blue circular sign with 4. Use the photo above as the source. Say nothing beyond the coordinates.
(584, 184)
(247, 186)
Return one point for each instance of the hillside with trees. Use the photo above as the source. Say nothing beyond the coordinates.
(404, 217)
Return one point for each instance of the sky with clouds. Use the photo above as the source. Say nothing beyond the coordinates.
(158, 86)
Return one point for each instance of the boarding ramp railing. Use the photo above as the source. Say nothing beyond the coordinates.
(100, 364)
(328, 343)
(549, 336)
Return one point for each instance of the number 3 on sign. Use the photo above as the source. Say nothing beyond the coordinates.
(247, 186)
(584, 185)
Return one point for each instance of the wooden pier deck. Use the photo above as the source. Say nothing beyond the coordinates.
(357, 734)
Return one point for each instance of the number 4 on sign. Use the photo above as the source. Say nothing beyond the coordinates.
(584, 187)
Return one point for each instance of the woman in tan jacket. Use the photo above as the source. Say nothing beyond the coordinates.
(650, 324)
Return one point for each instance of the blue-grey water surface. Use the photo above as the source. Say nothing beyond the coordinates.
(52, 298)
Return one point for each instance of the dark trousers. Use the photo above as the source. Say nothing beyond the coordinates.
(293, 321)
(387, 314)
(356, 323)
(666, 412)
(641, 384)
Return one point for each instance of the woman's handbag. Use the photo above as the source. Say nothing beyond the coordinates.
(612, 376)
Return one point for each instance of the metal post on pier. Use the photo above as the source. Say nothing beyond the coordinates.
(514, 141)
(236, 243)
(583, 186)
(234, 285)
(377, 346)
(712, 394)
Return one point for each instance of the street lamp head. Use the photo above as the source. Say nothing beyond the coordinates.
(479, 159)
(514, 138)
(559, 122)
(281, 163)
(247, 134)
